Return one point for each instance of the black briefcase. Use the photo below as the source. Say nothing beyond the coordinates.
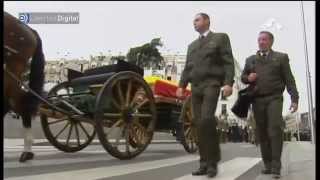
(241, 106)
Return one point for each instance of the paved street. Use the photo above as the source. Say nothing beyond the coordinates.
(161, 161)
(164, 159)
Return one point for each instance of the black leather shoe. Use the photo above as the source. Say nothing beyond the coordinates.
(26, 156)
(200, 172)
(266, 171)
(212, 172)
(276, 174)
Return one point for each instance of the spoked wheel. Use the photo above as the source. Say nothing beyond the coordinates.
(65, 133)
(125, 115)
(189, 128)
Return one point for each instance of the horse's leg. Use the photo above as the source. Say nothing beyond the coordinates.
(27, 154)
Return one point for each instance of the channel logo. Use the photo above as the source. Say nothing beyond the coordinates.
(24, 17)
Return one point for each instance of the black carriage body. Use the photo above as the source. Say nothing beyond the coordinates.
(100, 74)
(82, 98)
(167, 116)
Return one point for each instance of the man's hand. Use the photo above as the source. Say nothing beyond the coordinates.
(227, 90)
(180, 92)
(293, 107)
(252, 77)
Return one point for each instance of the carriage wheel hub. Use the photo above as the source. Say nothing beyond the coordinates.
(127, 114)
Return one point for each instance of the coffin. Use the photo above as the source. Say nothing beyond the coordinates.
(167, 89)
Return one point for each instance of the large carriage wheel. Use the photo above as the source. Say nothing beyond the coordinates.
(125, 115)
(63, 132)
(189, 128)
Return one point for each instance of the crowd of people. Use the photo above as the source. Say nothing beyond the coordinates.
(248, 134)
(236, 133)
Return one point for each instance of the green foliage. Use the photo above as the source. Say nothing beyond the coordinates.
(147, 55)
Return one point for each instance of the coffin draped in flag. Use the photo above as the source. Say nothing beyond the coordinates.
(168, 89)
(164, 87)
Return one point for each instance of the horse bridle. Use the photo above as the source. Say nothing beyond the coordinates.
(11, 49)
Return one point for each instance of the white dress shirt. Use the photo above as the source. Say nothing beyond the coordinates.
(261, 53)
(205, 34)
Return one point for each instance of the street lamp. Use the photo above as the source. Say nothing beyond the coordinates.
(308, 75)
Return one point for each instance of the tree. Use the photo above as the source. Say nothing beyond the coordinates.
(147, 55)
(116, 58)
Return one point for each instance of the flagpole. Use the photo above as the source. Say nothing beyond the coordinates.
(308, 76)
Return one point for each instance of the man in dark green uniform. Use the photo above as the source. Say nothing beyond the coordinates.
(270, 72)
(209, 66)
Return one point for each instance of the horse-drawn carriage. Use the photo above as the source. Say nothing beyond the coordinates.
(118, 105)
(113, 101)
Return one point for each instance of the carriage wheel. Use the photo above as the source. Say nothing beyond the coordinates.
(190, 131)
(63, 132)
(125, 115)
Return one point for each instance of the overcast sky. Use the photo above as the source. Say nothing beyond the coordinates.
(117, 26)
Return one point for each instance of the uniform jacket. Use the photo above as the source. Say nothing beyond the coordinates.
(209, 60)
(273, 74)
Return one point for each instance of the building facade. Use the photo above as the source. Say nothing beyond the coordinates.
(292, 121)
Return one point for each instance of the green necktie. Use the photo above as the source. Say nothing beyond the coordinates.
(201, 40)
